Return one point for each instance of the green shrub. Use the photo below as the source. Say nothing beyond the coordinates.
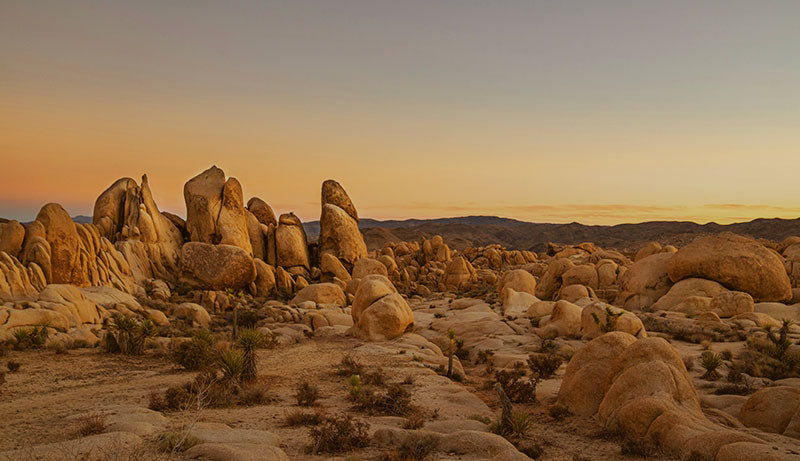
(127, 336)
(31, 338)
(544, 366)
(515, 383)
(172, 442)
(197, 353)
(231, 362)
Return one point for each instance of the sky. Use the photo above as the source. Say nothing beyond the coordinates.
(599, 112)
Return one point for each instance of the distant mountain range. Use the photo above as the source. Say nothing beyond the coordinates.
(520, 235)
(513, 234)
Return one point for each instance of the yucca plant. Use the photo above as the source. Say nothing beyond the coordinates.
(232, 364)
(128, 336)
(250, 340)
(710, 361)
(521, 423)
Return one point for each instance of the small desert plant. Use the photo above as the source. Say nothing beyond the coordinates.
(250, 340)
(639, 446)
(254, 393)
(395, 401)
(558, 412)
(92, 424)
(31, 338)
(610, 323)
(236, 298)
(349, 366)
(710, 361)
(13, 366)
(727, 355)
(779, 343)
(375, 377)
(300, 418)
(415, 420)
(521, 423)
(127, 336)
(544, 366)
(688, 362)
(231, 363)
(338, 434)
(516, 384)
(173, 442)
(306, 394)
(484, 356)
(197, 353)
(248, 318)
(451, 350)
(415, 447)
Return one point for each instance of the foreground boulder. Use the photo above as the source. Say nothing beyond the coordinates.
(216, 267)
(379, 312)
(641, 390)
(773, 409)
(736, 262)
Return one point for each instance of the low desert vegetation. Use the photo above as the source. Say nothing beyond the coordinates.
(415, 447)
(128, 336)
(710, 361)
(13, 366)
(306, 394)
(302, 418)
(94, 423)
(31, 338)
(338, 434)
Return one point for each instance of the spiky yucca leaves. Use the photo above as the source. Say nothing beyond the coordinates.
(250, 340)
(231, 363)
(710, 361)
(127, 336)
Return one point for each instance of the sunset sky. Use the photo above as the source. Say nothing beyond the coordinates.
(600, 112)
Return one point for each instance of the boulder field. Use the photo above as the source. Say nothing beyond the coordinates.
(635, 325)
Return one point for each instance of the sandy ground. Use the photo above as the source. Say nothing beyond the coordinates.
(37, 401)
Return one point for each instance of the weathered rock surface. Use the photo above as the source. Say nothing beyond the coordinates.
(216, 267)
(378, 311)
(737, 263)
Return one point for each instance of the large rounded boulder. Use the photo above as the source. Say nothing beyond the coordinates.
(737, 262)
(216, 267)
(379, 312)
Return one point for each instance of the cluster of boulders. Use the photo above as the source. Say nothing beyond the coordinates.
(222, 247)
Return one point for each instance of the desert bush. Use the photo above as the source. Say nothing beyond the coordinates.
(544, 366)
(349, 366)
(127, 336)
(688, 362)
(338, 434)
(248, 318)
(13, 366)
(306, 394)
(254, 393)
(94, 423)
(31, 338)
(710, 361)
(558, 412)
(395, 401)
(173, 442)
(197, 353)
(726, 354)
(414, 420)
(484, 356)
(516, 384)
(415, 447)
(639, 446)
(58, 348)
(301, 418)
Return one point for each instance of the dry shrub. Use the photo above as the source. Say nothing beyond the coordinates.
(197, 353)
(338, 434)
(516, 384)
(395, 401)
(558, 412)
(414, 420)
(349, 366)
(306, 394)
(92, 424)
(415, 447)
(13, 366)
(300, 418)
(173, 442)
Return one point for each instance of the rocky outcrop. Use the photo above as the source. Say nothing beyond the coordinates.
(291, 243)
(339, 234)
(736, 262)
(216, 267)
(459, 274)
(645, 282)
(215, 210)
